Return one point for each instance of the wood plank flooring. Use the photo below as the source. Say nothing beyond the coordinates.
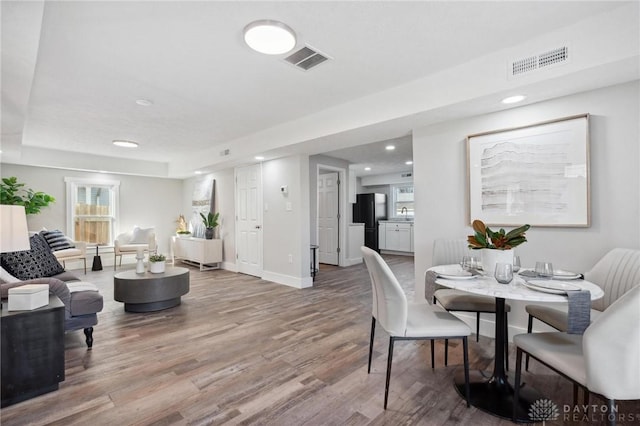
(239, 350)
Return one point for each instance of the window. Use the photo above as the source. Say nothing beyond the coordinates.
(402, 201)
(92, 210)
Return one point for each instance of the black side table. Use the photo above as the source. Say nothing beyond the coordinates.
(314, 270)
(97, 261)
(32, 351)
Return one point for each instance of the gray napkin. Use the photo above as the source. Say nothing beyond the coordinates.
(579, 316)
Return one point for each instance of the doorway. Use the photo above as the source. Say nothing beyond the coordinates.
(328, 217)
(249, 219)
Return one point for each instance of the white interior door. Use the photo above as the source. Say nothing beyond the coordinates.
(328, 215)
(249, 220)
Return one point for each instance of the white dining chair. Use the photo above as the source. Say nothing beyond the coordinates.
(408, 321)
(451, 251)
(616, 273)
(604, 360)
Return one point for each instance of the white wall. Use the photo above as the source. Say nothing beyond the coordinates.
(144, 201)
(286, 232)
(441, 183)
(224, 203)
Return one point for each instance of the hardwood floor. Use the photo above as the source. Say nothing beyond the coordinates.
(239, 350)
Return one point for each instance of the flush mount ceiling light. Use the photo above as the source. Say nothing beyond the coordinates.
(367, 168)
(269, 37)
(259, 157)
(125, 144)
(390, 147)
(513, 99)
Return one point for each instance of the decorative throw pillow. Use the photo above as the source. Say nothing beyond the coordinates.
(141, 236)
(56, 240)
(38, 262)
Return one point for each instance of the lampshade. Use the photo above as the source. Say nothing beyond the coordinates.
(14, 234)
(269, 37)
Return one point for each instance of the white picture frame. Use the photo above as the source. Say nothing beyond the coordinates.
(536, 174)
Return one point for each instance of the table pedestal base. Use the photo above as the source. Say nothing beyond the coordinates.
(152, 306)
(496, 396)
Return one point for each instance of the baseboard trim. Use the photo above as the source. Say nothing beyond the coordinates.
(288, 280)
(354, 261)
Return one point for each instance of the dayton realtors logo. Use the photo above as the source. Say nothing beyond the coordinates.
(543, 410)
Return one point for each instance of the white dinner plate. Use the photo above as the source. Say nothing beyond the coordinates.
(453, 272)
(565, 275)
(558, 274)
(551, 286)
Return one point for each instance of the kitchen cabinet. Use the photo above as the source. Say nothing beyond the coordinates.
(396, 236)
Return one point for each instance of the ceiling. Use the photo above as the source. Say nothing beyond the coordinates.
(72, 72)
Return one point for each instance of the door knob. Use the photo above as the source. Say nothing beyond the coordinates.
(258, 227)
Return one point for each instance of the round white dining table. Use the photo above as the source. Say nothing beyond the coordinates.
(492, 392)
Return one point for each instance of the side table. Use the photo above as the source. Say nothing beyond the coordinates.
(32, 351)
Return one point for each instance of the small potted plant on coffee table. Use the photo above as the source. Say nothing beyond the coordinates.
(157, 263)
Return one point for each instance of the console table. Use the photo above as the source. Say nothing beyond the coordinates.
(32, 351)
(199, 251)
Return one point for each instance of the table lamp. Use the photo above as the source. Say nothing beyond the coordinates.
(14, 235)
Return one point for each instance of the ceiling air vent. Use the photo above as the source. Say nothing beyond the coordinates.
(306, 58)
(541, 60)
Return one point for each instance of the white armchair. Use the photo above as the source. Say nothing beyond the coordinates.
(130, 242)
(64, 248)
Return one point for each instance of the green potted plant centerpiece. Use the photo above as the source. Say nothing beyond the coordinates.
(157, 263)
(210, 222)
(495, 246)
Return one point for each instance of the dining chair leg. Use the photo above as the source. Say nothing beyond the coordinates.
(115, 261)
(389, 359)
(433, 355)
(611, 411)
(575, 394)
(446, 352)
(467, 388)
(529, 330)
(477, 326)
(585, 396)
(373, 330)
(516, 385)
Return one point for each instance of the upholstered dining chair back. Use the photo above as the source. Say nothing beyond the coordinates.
(616, 273)
(448, 251)
(611, 348)
(389, 300)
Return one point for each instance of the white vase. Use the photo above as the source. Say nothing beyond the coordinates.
(156, 267)
(492, 256)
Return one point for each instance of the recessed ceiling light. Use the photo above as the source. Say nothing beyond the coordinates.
(198, 172)
(390, 147)
(513, 99)
(367, 168)
(408, 163)
(259, 157)
(144, 102)
(125, 144)
(269, 37)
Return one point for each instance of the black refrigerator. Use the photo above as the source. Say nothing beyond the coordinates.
(369, 209)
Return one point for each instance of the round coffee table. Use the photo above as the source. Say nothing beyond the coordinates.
(151, 292)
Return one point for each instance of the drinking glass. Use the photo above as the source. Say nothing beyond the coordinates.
(544, 269)
(503, 273)
(516, 263)
(470, 262)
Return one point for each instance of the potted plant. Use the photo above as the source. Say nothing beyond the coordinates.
(157, 263)
(210, 222)
(14, 194)
(495, 245)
